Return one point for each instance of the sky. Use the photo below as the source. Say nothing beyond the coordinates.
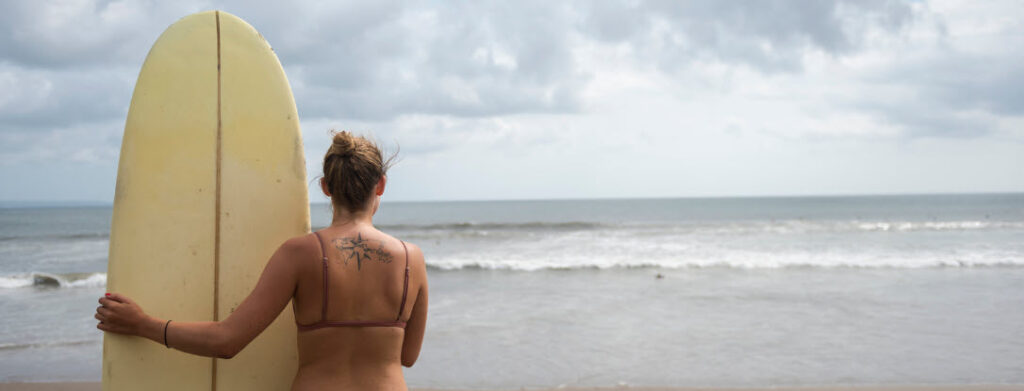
(563, 99)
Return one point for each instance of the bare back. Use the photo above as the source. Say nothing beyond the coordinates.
(366, 332)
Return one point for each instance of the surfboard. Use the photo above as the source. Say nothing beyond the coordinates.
(211, 180)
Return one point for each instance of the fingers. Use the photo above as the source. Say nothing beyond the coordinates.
(111, 300)
(112, 327)
(104, 315)
(117, 297)
(106, 311)
(109, 327)
(115, 314)
(107, 302)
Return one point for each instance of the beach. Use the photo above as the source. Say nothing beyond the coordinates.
(96, 387)
(859, 293)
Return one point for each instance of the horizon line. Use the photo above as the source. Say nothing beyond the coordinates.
(95, 203)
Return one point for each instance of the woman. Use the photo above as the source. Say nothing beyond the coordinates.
(360, 295)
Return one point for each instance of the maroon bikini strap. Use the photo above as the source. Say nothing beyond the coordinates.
(323, 311)
(323, 251)
(405, 285)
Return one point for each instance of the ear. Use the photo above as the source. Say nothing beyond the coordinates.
(381, 184)
(323, 186)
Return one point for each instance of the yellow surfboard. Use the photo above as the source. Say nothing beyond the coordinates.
(211, 181)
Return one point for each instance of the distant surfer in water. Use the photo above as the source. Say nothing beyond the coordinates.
(359, 295)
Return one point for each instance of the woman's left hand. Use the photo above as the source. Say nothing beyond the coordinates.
(119, 314)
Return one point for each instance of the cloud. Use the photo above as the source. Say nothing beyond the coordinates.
(82, 33)
(90, 143)
(381, 61)
(487, 59)
(992, 83)
(503, 82)
(770, 36)
(40, 98)
(961, 83)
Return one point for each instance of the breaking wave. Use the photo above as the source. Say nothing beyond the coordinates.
(746, 260)
(727, 227)
(53, 280)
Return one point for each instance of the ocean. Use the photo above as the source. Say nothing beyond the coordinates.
(777, 291)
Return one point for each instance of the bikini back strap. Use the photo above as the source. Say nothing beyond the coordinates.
(405, 284)
(323, 252)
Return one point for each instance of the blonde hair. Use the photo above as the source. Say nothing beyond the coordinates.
(352, 167)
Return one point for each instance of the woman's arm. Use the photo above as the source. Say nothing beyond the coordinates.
(225, 338)
(417, 323)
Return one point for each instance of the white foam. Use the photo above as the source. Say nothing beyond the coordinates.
(783, 226)
(71, 280)
(737, 259)
(15, 281)
(95, 280)
(907, 226)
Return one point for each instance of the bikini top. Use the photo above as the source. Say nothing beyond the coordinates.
(323, 322)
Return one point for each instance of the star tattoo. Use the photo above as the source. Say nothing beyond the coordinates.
(361, 250)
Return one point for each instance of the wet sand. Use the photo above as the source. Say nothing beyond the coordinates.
(76, 386)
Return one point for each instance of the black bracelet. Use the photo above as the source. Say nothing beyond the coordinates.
(165, 333)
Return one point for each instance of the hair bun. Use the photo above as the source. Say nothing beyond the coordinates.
(353, 166)
(344, 144)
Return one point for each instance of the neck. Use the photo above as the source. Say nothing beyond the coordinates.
(344, 217)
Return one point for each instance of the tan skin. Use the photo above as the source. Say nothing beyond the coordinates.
(363, 358)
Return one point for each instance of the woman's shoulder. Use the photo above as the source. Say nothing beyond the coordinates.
(301, 246)
(399, 245)
(412, 247)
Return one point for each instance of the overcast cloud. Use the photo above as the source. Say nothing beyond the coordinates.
(499, 100)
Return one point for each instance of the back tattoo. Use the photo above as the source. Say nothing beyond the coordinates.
(361, 250)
